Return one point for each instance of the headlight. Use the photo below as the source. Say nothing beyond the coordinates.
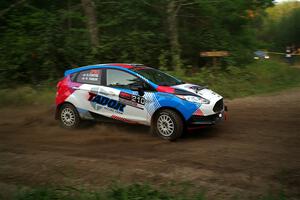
(194, 99)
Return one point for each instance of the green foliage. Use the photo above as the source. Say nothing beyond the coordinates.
(163, 61)
(130, 192)
(27, 96)
(281, 26)
(225, 25)
(136, 191)
(271, 196)
(41, 39)
(257, 78)
(121, 192)
(35, 46)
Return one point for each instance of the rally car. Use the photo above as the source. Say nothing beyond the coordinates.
(136, 94)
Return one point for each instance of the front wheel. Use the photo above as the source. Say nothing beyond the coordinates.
(168, 125)
(69, 117)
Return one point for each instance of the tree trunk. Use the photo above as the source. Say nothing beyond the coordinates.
(90, 13)
(12, 6)
(172, 10)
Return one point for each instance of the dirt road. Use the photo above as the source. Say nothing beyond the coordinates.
(255, 151)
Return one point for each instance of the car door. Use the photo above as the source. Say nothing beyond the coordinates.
(133, 105)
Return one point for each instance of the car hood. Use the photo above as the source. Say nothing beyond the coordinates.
(199, 91)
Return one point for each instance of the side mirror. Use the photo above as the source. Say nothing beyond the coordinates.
(141, 91)
(138, 88)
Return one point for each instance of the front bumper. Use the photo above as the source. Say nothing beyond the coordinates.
(196, 120)
(206, 120)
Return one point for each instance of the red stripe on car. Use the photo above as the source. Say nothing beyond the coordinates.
(127, 66)
(123, 119)
(165, 89)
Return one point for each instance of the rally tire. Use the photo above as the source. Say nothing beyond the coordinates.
(69, 117)
(168, 125)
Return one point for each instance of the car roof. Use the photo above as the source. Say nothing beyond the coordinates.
(118, 65)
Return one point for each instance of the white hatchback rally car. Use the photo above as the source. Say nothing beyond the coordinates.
(136, 94)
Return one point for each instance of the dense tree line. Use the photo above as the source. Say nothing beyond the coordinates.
(40, 39)
(281, 27)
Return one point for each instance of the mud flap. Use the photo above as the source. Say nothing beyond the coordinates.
(226, 113)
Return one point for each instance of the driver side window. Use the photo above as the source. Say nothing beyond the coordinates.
(120, 79)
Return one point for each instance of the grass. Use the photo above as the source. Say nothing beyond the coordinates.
(114, 192)
(26, 95)
(260, 77)
(118, 192)
(232, 82)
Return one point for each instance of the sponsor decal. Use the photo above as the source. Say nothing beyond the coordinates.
(96, 71)
(125, 95)
(106, 103)
(132, 100)
(92, 75)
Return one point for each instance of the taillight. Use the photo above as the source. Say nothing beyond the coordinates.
(58, 84)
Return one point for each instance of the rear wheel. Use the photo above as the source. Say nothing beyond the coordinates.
(69, 116)
(168, 125)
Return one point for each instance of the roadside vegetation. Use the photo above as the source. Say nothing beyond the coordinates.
(257, 78)
(27, 95)
(129, 192)
(231, 82)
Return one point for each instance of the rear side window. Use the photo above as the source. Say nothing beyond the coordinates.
(92, 76)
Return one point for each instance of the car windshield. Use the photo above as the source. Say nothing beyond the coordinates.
(157, 77)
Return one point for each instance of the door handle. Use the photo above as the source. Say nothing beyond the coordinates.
(75, 88)
(109, 93)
